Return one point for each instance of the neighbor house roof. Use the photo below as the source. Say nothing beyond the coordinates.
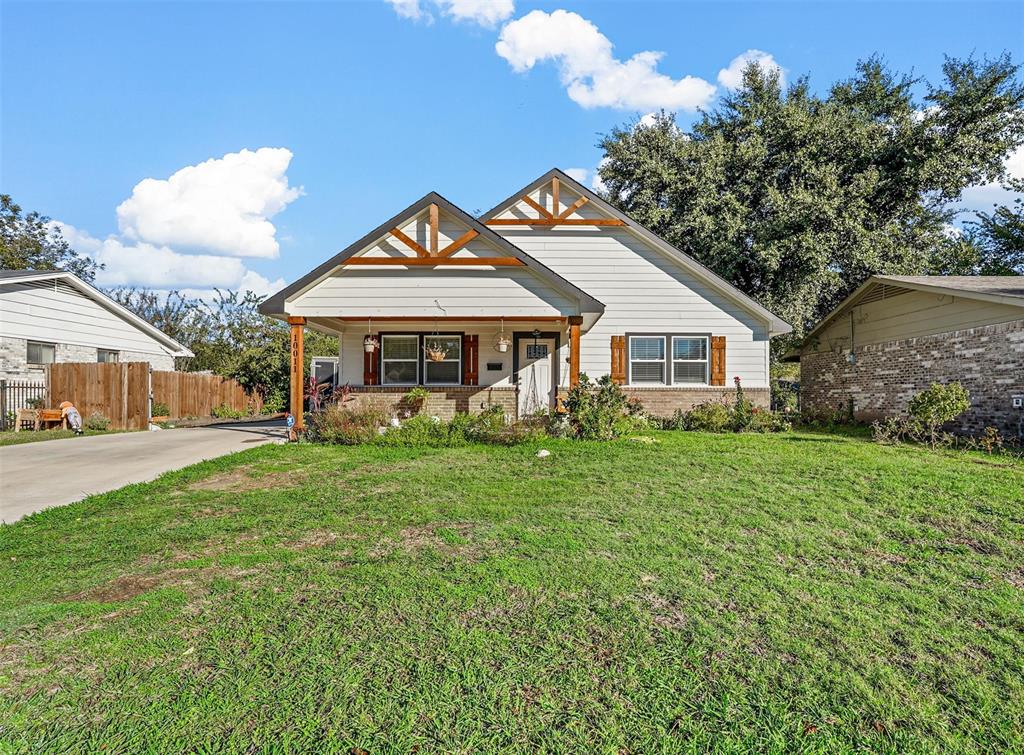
(274, 306)
(778, 326)
(1000, 289)
(28, 276)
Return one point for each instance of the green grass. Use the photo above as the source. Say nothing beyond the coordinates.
(11, 438)
(801, 592)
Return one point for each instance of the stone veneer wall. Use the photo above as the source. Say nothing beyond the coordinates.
(442, 402)
(988, 361)
(14, 351)
(663, 402)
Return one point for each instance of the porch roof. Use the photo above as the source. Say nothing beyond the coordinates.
(277, 305)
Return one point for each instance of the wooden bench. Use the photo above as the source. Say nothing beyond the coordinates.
(39, 419)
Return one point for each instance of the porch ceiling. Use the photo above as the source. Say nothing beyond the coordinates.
(342, 323)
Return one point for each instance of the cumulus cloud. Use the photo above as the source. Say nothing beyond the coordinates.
(487, 13)
(224, 204)
(983, 197)
(579, 174)
(732, 77)
(591, 74)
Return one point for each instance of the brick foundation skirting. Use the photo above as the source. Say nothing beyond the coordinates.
(988, 361)
(663, 402)
(442, 402)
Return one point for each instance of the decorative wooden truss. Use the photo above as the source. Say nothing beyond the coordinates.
(555, 216)
(434, 257)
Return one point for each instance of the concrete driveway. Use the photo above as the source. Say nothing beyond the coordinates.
(36, 476)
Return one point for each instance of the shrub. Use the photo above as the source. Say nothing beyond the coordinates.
(346, 427)
(762, 421)
(96, 421)
(937, 405)
(422, 430)
(414, 399)
(161, 410)
(710, 417)
(594, 408)
(743, 409)
(226, 412)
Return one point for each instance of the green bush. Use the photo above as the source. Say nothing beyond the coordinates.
(743, 409)
(594, 408)
(937, 405)
(96, 421)
(161, 410)
(710, 417)
(346, 427)
(763, 421)
(226, 412)
(423, 430)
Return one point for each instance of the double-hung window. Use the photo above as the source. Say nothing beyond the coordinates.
(647, 360)
(447, 371)
(400, 359)
(668, 360)
(41, 353)
(689, 359)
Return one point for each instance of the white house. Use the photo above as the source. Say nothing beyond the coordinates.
(54, 316)
(511, 307)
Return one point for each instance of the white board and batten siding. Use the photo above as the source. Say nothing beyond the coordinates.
(60, 314)
(643, 291)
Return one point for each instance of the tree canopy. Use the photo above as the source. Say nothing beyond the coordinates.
(796, 198)
(31, 242)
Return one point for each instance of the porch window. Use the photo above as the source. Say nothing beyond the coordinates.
(449, 370)
(689, 359)
(400, 359)
(647, 359)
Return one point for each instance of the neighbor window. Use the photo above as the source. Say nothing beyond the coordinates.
(106, 356)
(400, 358)
(447, 371)
(689, 359)
(647, 359)
(41, 353)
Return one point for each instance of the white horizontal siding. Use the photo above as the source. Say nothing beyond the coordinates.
(59, 316)
(411, 292)
(644, 291)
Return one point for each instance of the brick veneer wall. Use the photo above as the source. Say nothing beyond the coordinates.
(442, 402)
(14, 353)
(988, 361)
(663, 402)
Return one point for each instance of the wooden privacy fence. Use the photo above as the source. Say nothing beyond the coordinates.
(124, 393)
(188, 394)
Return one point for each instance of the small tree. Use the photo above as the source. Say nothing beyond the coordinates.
(937, 405)
(594, 407)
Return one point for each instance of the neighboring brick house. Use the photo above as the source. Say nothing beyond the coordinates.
(54, 316)
(895, 335)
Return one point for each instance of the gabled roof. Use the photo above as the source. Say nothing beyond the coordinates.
(778, 326)
(274, 306)
(28, 276)
(999, 289)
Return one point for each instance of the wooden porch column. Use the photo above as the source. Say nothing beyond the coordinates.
(297, 377)
(574, 350)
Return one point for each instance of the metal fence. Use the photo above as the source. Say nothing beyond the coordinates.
(18, 394)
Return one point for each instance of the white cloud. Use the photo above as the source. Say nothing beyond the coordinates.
(578, 174)
(488, 13)
(983, 197)
(646, 121)
(732, 77)
(224, 205)
(592, 76)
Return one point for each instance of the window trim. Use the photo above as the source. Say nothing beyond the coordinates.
(415, 360)
(706, 361)
(115, 352)
(30, 343)
(668, 362)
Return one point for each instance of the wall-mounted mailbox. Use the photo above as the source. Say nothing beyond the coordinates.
(494, 366)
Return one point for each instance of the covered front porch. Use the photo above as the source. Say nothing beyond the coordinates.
(524, 364)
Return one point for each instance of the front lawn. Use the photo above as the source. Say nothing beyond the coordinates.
(11, 438)
(726, 593)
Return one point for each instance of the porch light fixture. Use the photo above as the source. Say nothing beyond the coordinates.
(502, 341)
(370, 343)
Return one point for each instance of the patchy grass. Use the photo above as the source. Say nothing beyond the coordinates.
(11, 438)
(803, 592)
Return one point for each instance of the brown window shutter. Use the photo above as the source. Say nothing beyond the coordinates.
(470, 359)
(717, 360)
(619, 360)
(371, 360)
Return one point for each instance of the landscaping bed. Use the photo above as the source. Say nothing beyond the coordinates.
(695, 591)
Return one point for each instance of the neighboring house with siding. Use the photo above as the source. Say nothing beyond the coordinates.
(895, 335)
(54, 316)
(551, 282)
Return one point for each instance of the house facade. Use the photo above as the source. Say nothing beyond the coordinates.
(49, 317)
(895, 335)
(511, 307)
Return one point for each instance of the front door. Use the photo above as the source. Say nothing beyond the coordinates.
(536, 375)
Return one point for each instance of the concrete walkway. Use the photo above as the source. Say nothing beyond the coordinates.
(36, 476)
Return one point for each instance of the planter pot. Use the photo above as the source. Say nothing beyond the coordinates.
(502, 346)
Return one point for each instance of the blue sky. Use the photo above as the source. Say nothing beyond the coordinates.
(376, 107)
